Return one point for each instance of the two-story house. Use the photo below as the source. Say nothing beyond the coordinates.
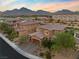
(24, 27)
(48, 30)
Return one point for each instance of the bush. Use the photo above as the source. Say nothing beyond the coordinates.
(23, 39)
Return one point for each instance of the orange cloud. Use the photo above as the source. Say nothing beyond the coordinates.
(72, 5)
(57, 6)
(75, 8)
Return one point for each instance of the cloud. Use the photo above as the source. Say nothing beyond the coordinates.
(76, 8)
(56, 6)
(13, 6)
(6, 2)
(53, 6)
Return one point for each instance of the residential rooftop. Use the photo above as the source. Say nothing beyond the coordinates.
(40, 35)
(28, 22)
(53, 26)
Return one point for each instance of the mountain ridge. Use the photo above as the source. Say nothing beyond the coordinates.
(26, 11)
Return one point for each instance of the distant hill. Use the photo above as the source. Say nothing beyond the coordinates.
(42, 12)
(26, 11)
(1, 13)
(22, 11)
(77, 12)
(64, 11)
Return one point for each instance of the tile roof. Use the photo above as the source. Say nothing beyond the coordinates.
(28, 22)
(53, 26)
(37, 34)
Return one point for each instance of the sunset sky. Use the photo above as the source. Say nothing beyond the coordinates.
(48, 5)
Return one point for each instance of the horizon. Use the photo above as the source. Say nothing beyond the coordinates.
(46, 5)
(38, 10)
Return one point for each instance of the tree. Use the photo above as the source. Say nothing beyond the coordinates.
(71, 30)
(7, 29)
(50, 20)
(23, 39)
(12, 35)
(48, 43)
(64, 41)
(58, 21)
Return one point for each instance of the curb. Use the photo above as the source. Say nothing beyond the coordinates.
(15, 47)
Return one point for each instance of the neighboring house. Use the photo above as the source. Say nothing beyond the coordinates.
(36, 31)
(48, 30)
(66, 17)
(25, 27)
(51, 29)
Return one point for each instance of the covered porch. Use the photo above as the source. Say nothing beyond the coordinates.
(36, 37)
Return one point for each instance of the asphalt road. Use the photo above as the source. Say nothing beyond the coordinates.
(7, 52)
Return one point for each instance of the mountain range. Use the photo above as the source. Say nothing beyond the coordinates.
(26, 11)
